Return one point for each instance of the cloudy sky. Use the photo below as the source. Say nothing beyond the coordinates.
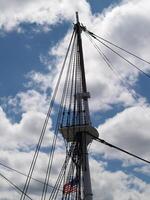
(34, 36)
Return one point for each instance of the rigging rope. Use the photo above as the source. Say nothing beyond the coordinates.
(18, 190)
(129, 62)
(118, 148)
(68, 87)
(112, 68)
(51, 155)
(23, 174)
(109, 64)
(142, 59)
(117, 53)
(65, 103)
(25, 189)
(54, 192)
(61, 175)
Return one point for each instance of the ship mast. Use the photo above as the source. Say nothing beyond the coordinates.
(79, 131)
(87, 189)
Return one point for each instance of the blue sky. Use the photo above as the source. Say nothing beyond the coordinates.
(33, 41)
(20, 53)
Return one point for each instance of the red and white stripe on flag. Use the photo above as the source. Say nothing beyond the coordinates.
(70, 187)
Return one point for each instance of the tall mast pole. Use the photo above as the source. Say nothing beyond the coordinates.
(79, 130)
(80, 49)
(78, 30)
(87, 189)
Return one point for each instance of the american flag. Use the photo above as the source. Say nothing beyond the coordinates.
(71, 186)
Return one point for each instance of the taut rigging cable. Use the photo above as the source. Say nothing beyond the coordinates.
(51, 155)
(118, 148)
(54, 192)
(142, 59)
(18, 190)
(117, 53)
(103, 141)
(23, 174)
(32, 166)
(112, 68)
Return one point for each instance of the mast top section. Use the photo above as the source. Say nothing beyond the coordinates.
(77, 17)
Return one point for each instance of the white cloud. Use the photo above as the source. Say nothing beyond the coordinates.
(32, 101)
(144, 170)
(24, 134)
(17, 146)
(42, 12)
(116, 185)
(128, 130)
